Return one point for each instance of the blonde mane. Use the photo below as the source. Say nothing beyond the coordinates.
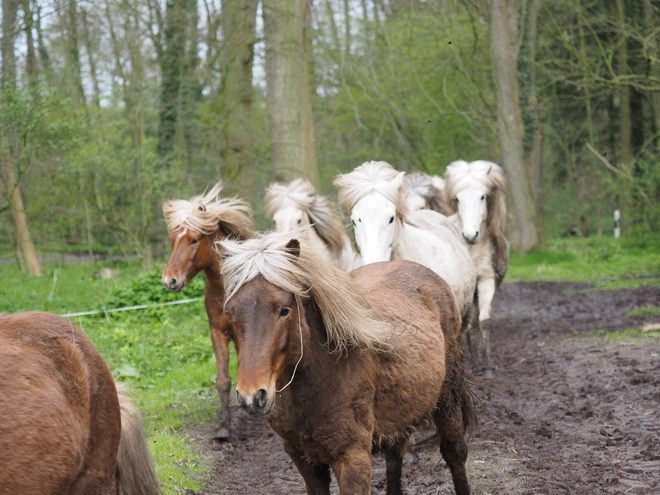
(301, 194)
(426, 187)
(207, 213)
(347, 316)
(367, 178)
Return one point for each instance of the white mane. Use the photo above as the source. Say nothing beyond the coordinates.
(302, 195)
(207, 213)
(367, 178)
(348, 317)
(481, 175)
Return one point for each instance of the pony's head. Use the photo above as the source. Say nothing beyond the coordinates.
(373, 197)
(424, 192)
(269, 282)
(299, 205)
(477, 190)
(194, 226)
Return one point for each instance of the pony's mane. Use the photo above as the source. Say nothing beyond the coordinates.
(348, 318)
(301, 194)
(487, 177)
(425, 186)
(367, 178)
(207, 213)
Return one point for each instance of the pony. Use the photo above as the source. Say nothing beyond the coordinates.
(424, 192)
(298, 205)
(194, 226)
(67, 428)
(345, 364)
(477, 191)
(374, 197)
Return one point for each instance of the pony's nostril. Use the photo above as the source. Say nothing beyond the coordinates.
(260, 398)
(172, 282)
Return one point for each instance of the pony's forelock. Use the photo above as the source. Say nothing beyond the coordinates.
(347, 316)
(370, 177)
(207, 213)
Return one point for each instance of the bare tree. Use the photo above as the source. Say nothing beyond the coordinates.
(289, 99)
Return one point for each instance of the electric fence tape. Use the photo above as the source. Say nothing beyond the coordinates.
(130, 308)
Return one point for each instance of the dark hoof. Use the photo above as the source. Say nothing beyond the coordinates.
(222, 435)
(489, 375)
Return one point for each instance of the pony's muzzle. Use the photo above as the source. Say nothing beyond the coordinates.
(172, 283)
(471, 238)
(258, 404)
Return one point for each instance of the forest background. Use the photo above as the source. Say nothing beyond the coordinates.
(109, 107)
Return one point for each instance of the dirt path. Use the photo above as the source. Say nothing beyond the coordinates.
(568, 412)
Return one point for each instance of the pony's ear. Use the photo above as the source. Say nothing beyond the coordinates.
(489, 169)
(293, 247)
(398, 180)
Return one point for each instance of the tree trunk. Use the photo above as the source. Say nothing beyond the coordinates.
(238, 26)
(651, 19)
(73, 52)
(510, 126)
(171, 75)
(90, 58)
(31, 58)
(12, 141)
(625, 122)
(289, 100)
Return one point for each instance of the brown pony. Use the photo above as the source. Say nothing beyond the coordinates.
(66, 428)
(194, 226)
(341, 364)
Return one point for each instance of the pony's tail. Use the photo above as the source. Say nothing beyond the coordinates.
(136, 474)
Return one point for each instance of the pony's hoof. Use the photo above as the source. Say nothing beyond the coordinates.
(222, 435)
(489, 375)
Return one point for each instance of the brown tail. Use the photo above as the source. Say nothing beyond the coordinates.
(136, 474)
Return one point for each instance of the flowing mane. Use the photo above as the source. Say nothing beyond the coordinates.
(487, 177)
(301, 194)
(433, 192)
(207, 213)
(348, 318)
(367, 178)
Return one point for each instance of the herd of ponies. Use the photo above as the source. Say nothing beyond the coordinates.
(346, 342)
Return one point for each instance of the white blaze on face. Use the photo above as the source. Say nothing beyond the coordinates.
(374, 221)
(290, 218)
(183, 232)
(472, 211)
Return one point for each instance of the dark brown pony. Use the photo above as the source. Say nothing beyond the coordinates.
(194, 227)
(337, 379)
(64, 427)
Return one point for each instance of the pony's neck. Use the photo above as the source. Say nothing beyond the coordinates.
(212, 266)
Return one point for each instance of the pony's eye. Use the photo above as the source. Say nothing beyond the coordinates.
(483, 196)
(194, 241)
(353, 223)
(299, 220)
(284, 312)
(391, 219)
(457, 200)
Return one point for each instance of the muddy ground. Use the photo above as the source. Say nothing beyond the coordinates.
(569, 412)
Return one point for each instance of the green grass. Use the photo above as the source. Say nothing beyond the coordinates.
(606, 263)
(628, 335)
(643, 311)
(165, 354)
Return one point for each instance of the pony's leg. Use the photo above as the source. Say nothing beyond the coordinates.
(394, 460)
(451, 430)
(316, 476)
(353, 472)
(220, 339)
(486, 289)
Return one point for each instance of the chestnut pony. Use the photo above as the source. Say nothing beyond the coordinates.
(194, 226)
(66, 427)
(344, 364)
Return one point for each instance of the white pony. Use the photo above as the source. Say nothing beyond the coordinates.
(424, 192)
(478, 190)
(298, 205)
(374, 197)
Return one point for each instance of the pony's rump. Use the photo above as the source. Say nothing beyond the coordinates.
(61, 420)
